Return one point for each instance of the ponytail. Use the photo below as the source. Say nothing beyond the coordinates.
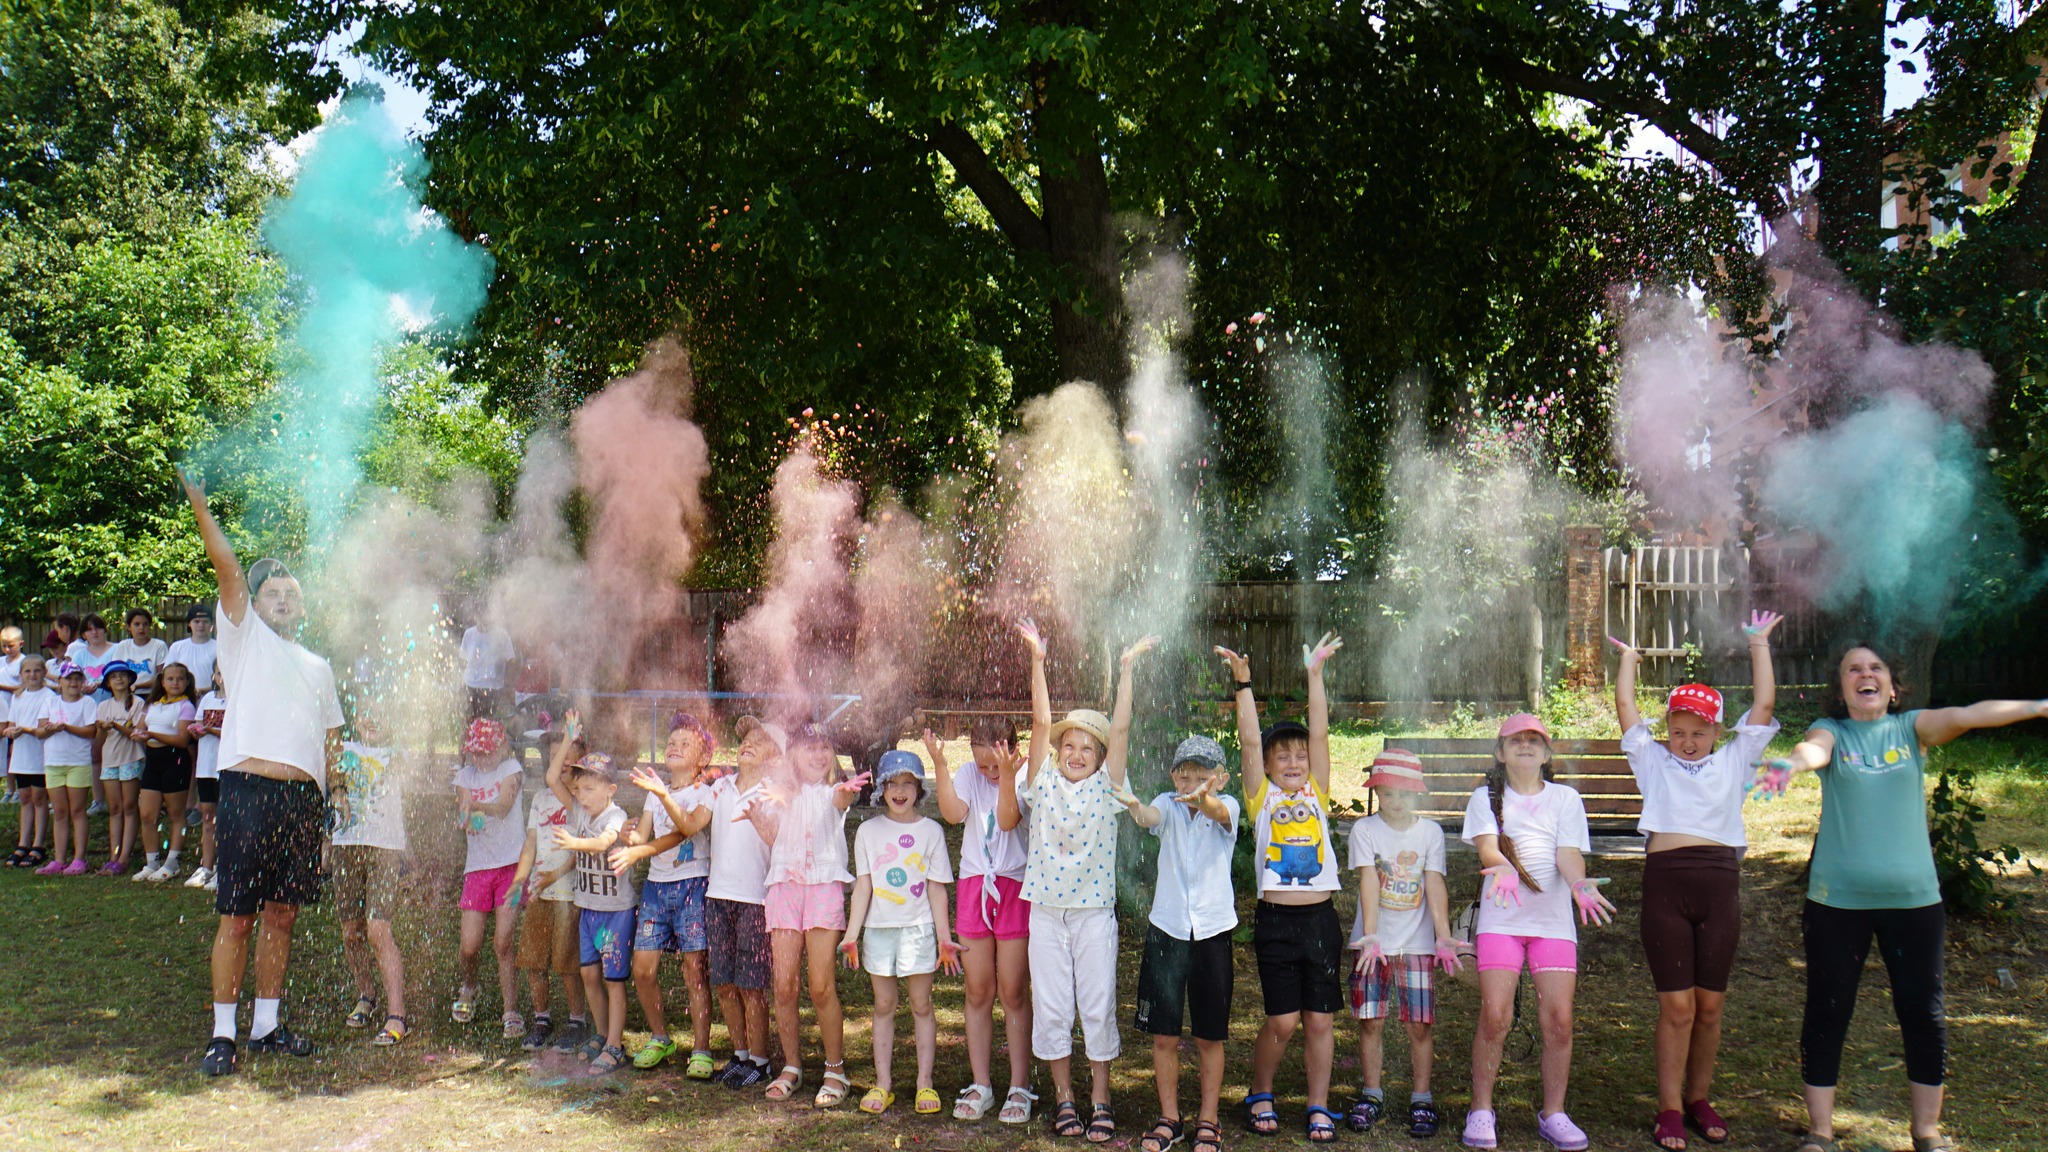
(1496, 788)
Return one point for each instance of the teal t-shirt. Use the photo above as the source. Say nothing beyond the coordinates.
(1873, 850)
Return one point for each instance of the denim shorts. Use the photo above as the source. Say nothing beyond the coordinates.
(671, 915)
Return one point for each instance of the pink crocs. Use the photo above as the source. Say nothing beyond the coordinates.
(1479, 1129)
(1562, 1134)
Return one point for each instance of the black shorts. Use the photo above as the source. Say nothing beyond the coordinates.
(1691, 918)
(167, 769)
(208, 788)
(1301, 953)
(267, 843)
(1195, 972)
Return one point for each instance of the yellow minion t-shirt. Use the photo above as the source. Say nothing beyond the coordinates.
(1294, 846)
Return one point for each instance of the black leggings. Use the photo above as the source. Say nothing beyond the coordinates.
(1837, 943)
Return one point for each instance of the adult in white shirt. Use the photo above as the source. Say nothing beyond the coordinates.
(199, 650)
(486, 654)
(276, 746)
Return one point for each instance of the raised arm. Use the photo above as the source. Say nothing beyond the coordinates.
(951, 807)
(1009, 810)
(227, 571)
(572, 729)
(1251, 758)
(1625, 710)
(1938, 726)
(1115, 761)
(1041, 698)
(1313, 660)
(1762, 677)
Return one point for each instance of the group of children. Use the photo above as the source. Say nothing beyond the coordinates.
(751, 880)
(122, 729)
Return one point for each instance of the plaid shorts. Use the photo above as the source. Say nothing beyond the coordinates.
(1412, 978)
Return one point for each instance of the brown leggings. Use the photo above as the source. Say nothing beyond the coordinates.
(1692, 916)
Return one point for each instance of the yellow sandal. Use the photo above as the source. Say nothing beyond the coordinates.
(927, 1102)
(877, 1101)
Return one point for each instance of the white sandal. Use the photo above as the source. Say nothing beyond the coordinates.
(974, 1102)
(1017, 1106)
(833, 1086)
(786, 1082)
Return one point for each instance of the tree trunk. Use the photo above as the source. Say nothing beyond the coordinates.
(1850, 111)
(1073, 195)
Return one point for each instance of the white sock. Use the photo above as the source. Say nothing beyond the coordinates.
(224, 1021)
(266, 1019)
(149, 860)
(171, 860)
(740, 1054)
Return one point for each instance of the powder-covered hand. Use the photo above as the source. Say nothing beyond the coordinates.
(1313, 658)
(650, 781)
(1761, 624)
(1593, 907)
(1370, 955)
(1448, 958)
(1505, 885)
(1028, 629)
(949, 957)
(1138, 648)
(854, 783)
(1772, 777)
(849, 951)
(623, 858)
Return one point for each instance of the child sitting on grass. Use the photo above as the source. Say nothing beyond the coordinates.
(605, 900)
(487, 793)
(1187, 963)
(898, 927)
(1295, 932)
(1402, 934)
(1071, 781)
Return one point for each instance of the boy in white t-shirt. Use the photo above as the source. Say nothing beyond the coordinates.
(10, 683)
(545, 885)
(25, 761)
(1187, 962)
(1402, 935)
(367, 855)
(605, 900)
(487, 792)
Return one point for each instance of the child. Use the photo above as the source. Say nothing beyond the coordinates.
(25, 761)
(1692, 870)
(1071, 781)
(1402, 934)
(735, 898)
(213, 711)
(672, 899)
(1187, 961)
(487, 791)
(166, 769)
(805, 829)
(605, 900)
(898, 925)
(548, 933)
(10, 683)
(199, 650)
(369, 846)
(1295, 931)
(141, 651)
(993, 920)
(67, 724)
(1530, 833)
(120, 723)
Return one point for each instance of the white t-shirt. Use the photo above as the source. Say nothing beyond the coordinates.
(116, 748)
(169, 718)
(900, 859)
(1702, 798)
(10, 674)
(810, 840)
(196, 656)
(485, 653)
(376, 808)
(1293, 847)
(597, 887)
(494, 841)
(61, 748)
(739, 857)
(1072, 859)
(1193, 899)
(94, 666)
(25, 753)
(1539, 825)
(206, 758)
(543, 816)
(985, 849)
(285, 702)
(147, 658)
(692, 857)
(1398, 860)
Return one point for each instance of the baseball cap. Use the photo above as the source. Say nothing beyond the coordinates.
(1522, 722)
(598, 764)
(896, 762)
(809, 733)
(1283, 730)
(749, 724)
(687, 722)
(1397, 768)
(1199, 750)
(66, 668)
(1697, 699)
(198, 612)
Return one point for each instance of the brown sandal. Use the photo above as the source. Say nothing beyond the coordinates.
(1207, 1137)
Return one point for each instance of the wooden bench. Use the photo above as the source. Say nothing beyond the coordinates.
(1595, 767)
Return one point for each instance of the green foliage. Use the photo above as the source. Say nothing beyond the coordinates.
(1968, 870)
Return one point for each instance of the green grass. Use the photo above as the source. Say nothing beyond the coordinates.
(101, 1034)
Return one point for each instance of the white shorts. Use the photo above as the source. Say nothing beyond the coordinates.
(911, 950)
(1073, 976)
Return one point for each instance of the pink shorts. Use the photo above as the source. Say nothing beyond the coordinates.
(802, 907)
(486, 888)
(999, 911)
(1504, 953)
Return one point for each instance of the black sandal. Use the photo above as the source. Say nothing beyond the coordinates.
(1321, 1124)
(1066, 1120)
(15, 861)
(1165, 1133)
(360, 1016)
(37, 857)
(1101, 1125)
(1208, 1137)
(1254, 1115)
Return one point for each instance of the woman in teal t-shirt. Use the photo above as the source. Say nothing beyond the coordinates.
(1873, 875)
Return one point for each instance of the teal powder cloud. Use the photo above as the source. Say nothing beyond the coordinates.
(1891, 491)
(369, 264)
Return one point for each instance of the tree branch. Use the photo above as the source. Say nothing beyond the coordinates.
(1012, 214)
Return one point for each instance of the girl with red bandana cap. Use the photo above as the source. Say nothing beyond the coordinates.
(487, 803)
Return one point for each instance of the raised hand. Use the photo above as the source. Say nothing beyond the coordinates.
(1313, 658)
(650, 781)
(1628, 651)
(854, 783)
(849, 952)
(934, 749)
(1448, 958)
(949, 957)
(1593, 907)
(1240, 667)
(1138, 648)
(572, 725)
(1124, 796)
(194, 490)
(1505, 885)
(1762, 624)
(1008, 759)
(1028, 629)
(1772, 777)
(1194, 799)
(1370, 956)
